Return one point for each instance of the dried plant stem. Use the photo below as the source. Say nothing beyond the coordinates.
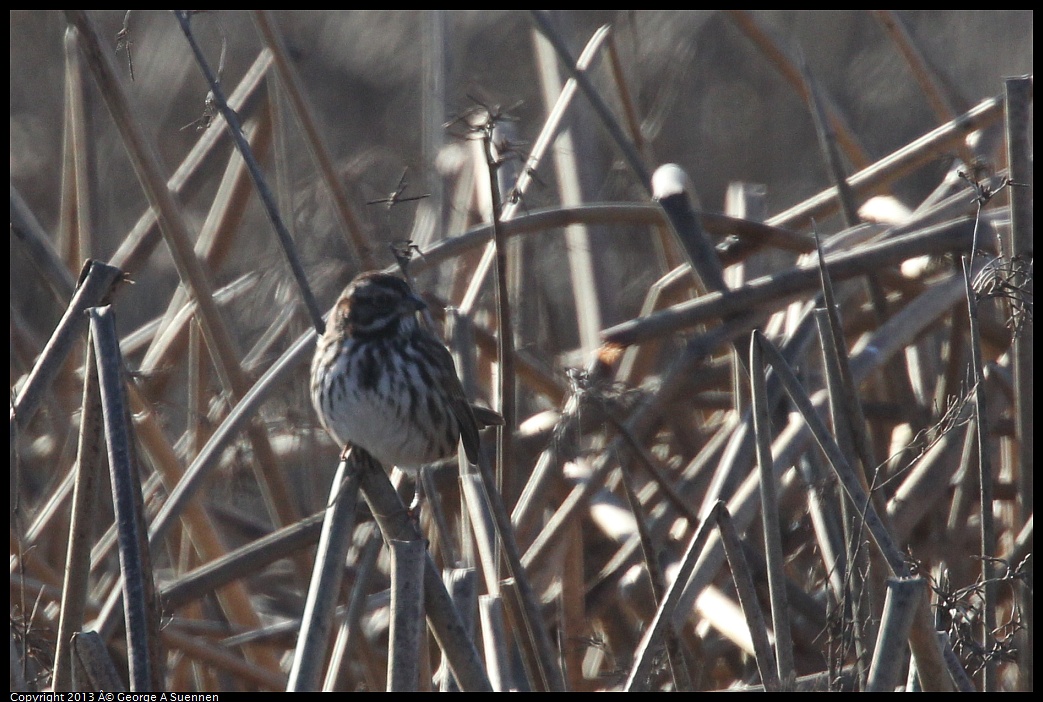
(505, 350)
(900, 608)
(97, 282)
(754, 234)
(827, 142)
(770, 516)
(924, 643)
(633, 158)
(482, 529)
(851, 594)
(1019, 123)
(638, 679)
(626, 100)
(37, 243)
(748, 599)
(207, 459)
(175, 230)
(214, 656)
(790, 70)
(899, 163)
(835, 346)
(317, 620)
(94, 669)
(78, 198)
(774, 290)
(537, 633)
(291, 82)
(407, 614)
(237, 419)
(213, 246)
(571, 170)
(943, 104)
(349, 637)
(532, 370)
(138, 244)
(242, 562)
(543, 143)
(1018, 92)
(462, 584)
(678, 667)
(539, 641)
(184, 18)
(496, 641)
(139, 594)
(442, 617)
(985, 486)
(77, 560)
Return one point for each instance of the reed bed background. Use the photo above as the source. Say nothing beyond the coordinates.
(780, 440)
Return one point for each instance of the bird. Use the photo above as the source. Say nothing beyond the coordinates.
(383, 382)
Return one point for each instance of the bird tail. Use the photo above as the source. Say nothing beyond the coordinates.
(486, 417)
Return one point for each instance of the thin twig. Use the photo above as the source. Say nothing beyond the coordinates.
(184, 18)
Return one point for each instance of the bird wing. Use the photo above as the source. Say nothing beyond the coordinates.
(458, 403)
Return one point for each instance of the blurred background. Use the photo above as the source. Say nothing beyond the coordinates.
(707, 98)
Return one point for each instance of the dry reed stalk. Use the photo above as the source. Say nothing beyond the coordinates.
(317, 619)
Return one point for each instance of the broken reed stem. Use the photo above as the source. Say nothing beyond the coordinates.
(900, 607)
(407, 614)
(96, 284)
(443, 620)
(139, 591)
(306, 671)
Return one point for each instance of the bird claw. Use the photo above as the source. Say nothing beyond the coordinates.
(413, 511)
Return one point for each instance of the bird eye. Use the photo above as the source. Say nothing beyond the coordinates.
(384, 301)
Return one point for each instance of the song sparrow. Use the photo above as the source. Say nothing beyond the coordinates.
(384, 383)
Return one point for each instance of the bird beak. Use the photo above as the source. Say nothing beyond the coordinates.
(414, 303)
